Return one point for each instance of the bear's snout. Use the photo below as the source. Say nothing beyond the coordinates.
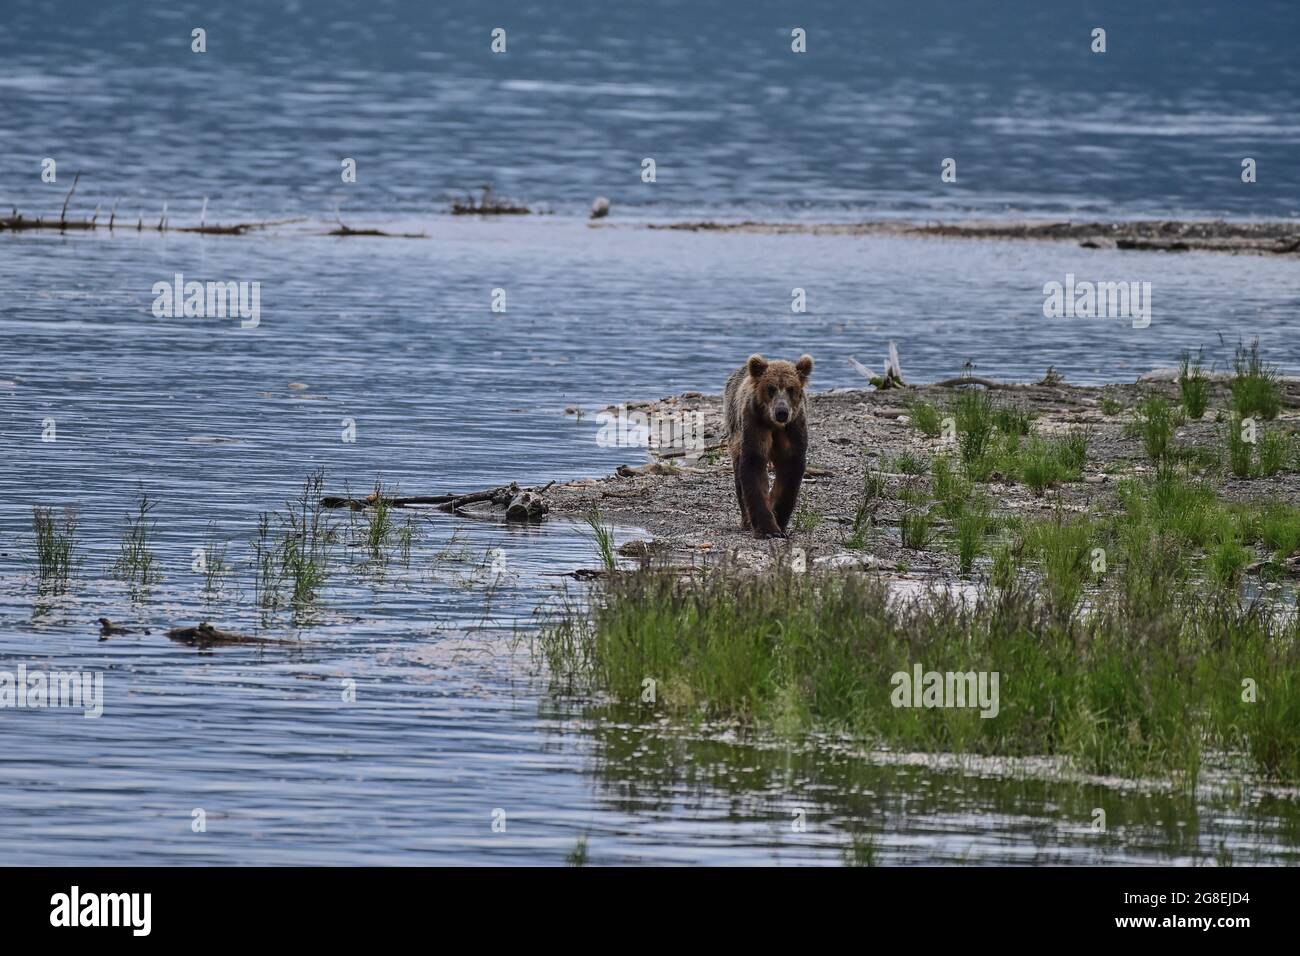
(781, 413)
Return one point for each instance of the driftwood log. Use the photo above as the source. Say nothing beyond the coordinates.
(205, 635)
(893, 373)
(452, 503)
(968, 380)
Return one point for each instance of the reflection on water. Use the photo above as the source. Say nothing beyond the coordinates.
(810, 803)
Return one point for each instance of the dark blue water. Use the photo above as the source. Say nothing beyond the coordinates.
(737, 124)
(218, 423)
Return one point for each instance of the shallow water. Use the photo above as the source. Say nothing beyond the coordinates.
(451, 722)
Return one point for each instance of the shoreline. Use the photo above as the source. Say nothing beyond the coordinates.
(686, 502)
(1273, 237)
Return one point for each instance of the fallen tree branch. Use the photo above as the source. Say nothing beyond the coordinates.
(234, 229)
(683, 452)
(17, 222)
(345, 230)
(659, 468)
(968, 380)
(487, 495)
(357, 504)
(447, 502)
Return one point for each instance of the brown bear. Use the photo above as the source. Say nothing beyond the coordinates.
(766, 425)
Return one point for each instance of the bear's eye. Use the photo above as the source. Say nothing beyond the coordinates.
(771, 390)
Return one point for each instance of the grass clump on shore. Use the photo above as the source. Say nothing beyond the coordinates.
(1061, 545)
(1254, 384)
(1277, 527)
(971, 526)
(1012, 419)
(1141, 681)
(908, 463)
(379, 527)
(915, 527)
(807, 520)
(1155, 424)
(1193, 385)
(1171, 503)
(973, 410)
(1255, 451)
(874, 490)
(1042, 464)
(952, 490)
(56, 544)
(995, 439)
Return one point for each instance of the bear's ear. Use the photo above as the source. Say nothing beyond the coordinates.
(804, 366)
(757, 365)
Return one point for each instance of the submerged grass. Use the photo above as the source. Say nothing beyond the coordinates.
(292, 551)
(379, 529)
(214, 568)
(136, 563)
(602, 535)
(56, 545)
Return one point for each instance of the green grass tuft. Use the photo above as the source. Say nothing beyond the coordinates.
(1141, 680)
(1193, 385)
(1254, 384)
(56, 547)
(602, 534)
(925, 417)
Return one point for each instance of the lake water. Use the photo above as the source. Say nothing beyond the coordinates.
(450, 722)
(738, 124)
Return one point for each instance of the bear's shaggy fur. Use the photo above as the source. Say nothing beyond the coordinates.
(766, 425)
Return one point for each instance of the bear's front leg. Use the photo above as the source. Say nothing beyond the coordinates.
(753, 481)
(740, 497)
(785, 491)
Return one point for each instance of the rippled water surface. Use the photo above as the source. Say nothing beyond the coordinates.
(451, 721)
(737, 124)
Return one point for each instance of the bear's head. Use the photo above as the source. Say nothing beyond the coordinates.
(778, 387)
